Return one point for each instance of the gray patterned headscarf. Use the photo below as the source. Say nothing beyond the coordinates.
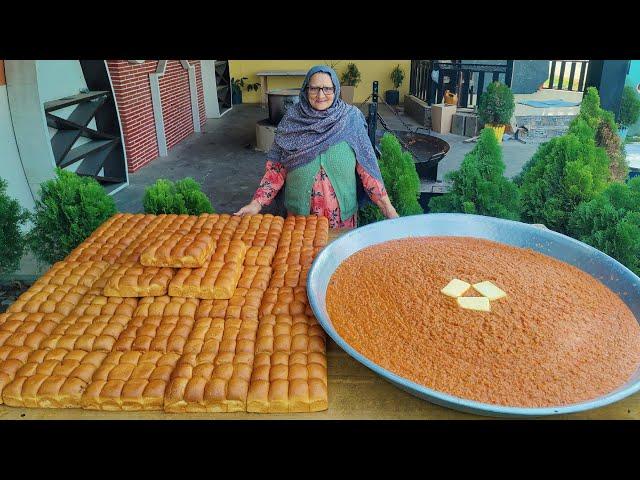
(304, 132)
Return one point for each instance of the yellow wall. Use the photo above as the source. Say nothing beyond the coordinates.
(370, 70)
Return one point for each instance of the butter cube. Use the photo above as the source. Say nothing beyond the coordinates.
(475, 303)
(489, 290)
(455, 288)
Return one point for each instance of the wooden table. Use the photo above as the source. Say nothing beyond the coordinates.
(355, 392)
(264, 75)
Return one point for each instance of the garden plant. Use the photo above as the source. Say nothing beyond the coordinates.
(400, 179)
(12, 239)
(68, 210)
(629, 107)
(611, 223)
(181, 197)
(479, 186)
(496, 107)
(351, 76)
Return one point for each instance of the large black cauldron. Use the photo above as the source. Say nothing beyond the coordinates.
(280, 101)
(427, 152)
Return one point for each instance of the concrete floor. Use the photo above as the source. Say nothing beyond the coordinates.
(633, 155)
(223, 159)
(514, 153)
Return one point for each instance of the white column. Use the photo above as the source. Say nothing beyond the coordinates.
(29, 122)
(208, 70)
(154, 81)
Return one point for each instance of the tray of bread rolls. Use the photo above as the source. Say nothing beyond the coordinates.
(173, 313)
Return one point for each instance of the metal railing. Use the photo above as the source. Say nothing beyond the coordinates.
(468, 80)
(576, 71)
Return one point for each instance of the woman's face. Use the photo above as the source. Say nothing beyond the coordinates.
(315, 93)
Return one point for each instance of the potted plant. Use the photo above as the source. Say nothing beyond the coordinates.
(236, 89)
(332, 63)
(392, 97)
(629, 109)
(348, 82)
(496, 107)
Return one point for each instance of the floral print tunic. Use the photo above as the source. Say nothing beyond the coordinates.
(323, 197)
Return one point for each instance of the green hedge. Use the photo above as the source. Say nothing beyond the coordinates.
(479, 186)
(183, 197)
(69, 209)
(611, 223)
(563, 173)
(496, 105)
(629, 106)
(400, 180)
(12, 240)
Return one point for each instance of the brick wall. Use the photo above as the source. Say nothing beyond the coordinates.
(133, 94)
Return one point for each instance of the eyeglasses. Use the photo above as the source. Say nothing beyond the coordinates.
(325, 90)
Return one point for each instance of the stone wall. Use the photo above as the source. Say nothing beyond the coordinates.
(543, 128)
(418, 110)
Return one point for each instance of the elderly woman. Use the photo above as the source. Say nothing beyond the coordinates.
(322, 150)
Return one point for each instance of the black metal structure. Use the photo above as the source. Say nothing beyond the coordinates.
(468, 80)
(427, 150)
(223, 85)
(372, 118)
(577, 76)
(102, 155)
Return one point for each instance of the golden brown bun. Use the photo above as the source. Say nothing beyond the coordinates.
(167, 306)
(142, 375)
(83, 274)
(100, 330)
(133, 280)
(49, 299)
(179, 251)
(217, 279)
(55, 378)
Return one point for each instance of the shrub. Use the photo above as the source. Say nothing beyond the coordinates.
(183, 197)
(563, 173)
(611, 223)
(351, 76)
(629, 107)
(602, 127)
(12, 240)
(400, 179)
(496, 105)
(590, 110)
(397, 76)
(69, 209)
(195, 200)
(608, 138)
(581, 128)
(479, 186)
(599, 124)
(161, 198)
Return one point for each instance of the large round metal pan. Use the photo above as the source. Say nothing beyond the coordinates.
(607, 270)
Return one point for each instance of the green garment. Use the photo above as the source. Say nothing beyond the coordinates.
(339, 163)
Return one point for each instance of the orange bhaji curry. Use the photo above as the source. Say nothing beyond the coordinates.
(558, 336)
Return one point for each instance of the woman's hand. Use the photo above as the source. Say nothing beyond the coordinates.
(252, 209)
(390, 212)
(387, 209)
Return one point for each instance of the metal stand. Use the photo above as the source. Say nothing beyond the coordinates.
(372, 118)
